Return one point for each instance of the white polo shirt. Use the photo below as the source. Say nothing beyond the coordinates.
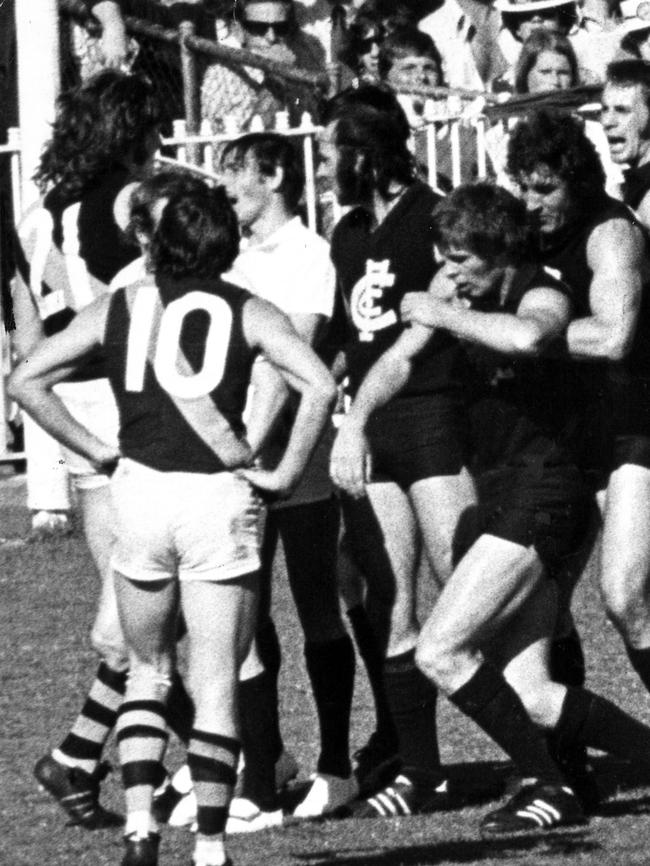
(291, 268)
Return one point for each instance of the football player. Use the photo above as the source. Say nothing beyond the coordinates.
(179, 349)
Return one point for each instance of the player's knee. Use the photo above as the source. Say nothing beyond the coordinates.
(151, 677)
(626, 606)
(109, 644)
(537, 702)
(437, 659)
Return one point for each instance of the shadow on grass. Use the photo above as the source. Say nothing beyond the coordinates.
(562, 844)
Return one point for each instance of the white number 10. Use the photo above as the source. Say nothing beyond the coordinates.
(167, 358)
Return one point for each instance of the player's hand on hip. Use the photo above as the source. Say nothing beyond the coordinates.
(105, 457)
(350, 460)
(270, 483)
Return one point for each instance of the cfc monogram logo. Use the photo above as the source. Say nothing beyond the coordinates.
(366, 299)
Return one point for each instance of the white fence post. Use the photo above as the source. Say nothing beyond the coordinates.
(37, 36)
(310, 179)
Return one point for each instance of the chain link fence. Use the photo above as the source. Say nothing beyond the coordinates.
(194, 74)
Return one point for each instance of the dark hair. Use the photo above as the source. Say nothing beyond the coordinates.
(372, 153)
(162, 184)
(104, 122)
(486, 220)
(271, 151)
(197, 235)
(366, 21)
(558, 141)
(539, 41)
(631, 42)
(407, 42)
(628, 73)
(392, 13)
(379, 97)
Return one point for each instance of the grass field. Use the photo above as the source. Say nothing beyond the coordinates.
(47, 593)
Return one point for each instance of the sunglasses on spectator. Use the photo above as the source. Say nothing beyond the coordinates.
(261, 28)
(367, 42)
(547, 14)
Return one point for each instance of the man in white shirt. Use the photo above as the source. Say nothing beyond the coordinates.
(289, 265)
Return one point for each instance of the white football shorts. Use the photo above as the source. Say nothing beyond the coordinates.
(184, 524)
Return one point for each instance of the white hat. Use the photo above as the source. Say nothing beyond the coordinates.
(636, 15)
(522, 6)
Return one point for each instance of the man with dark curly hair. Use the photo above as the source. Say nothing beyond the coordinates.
(600, 248)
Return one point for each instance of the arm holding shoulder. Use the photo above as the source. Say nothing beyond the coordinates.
(542, 315)
(616, 256)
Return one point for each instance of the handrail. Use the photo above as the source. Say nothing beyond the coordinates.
(567, 100)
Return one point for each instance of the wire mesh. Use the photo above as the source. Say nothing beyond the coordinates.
(230, 86)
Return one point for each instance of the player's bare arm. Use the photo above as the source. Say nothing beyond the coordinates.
(29, 327)
(269, 330)
(350, 460)
(33, 380)
(615, 254)
(541, 317)
(269, 391)
(268, 395)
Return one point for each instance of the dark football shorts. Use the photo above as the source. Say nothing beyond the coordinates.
(413, 438)
(544, 506)
(631, 414)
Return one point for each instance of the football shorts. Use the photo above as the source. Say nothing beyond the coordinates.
(189, 525)
(413, 438)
